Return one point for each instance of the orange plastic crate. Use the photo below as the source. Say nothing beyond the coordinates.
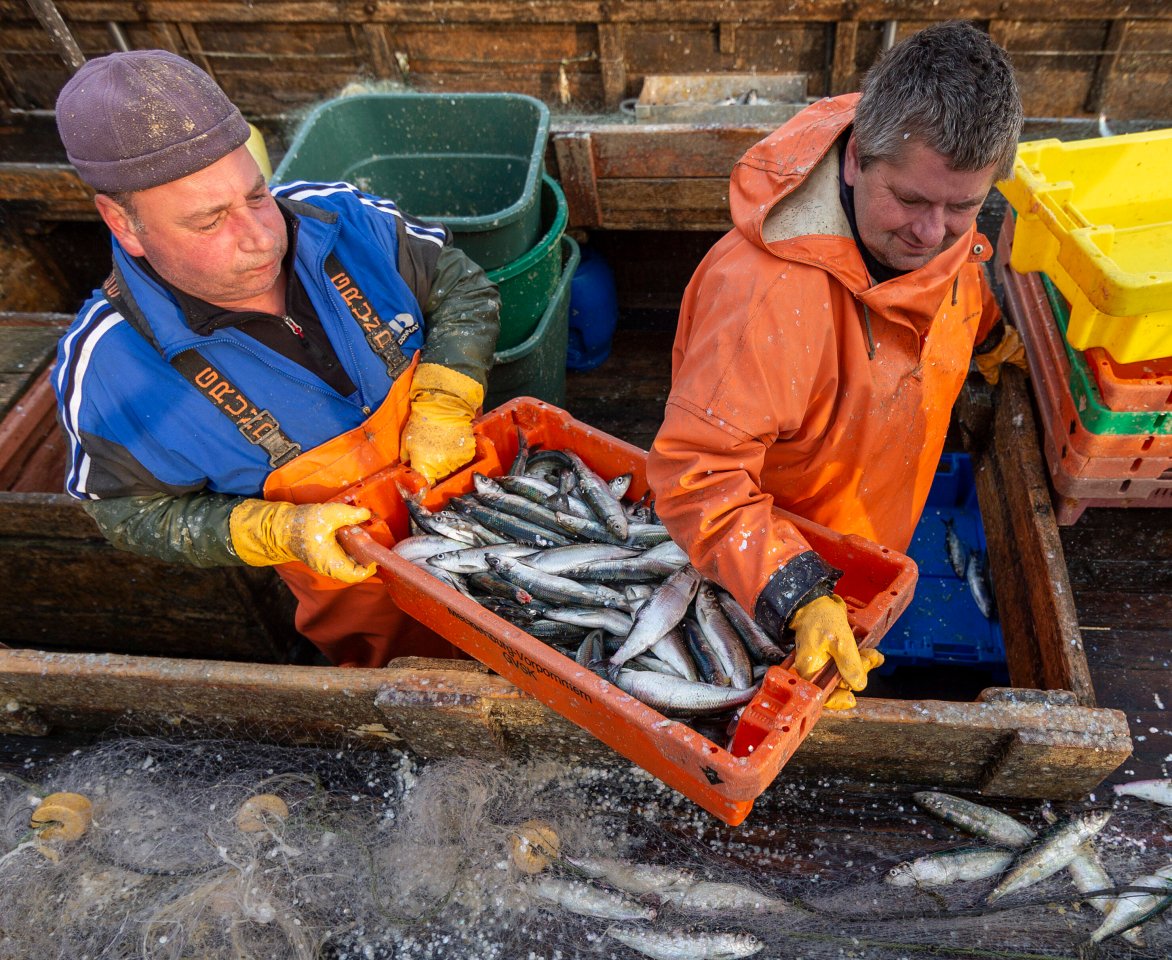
(1084, 454)
(1143, 385)
(877, 585)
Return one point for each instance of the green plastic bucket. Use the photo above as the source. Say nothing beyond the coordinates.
(527, 285)
(537, 367)
(471, 161)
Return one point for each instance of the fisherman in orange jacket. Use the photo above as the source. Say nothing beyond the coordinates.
(823, 341)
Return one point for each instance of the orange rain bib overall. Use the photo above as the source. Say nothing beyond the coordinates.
(354, 625)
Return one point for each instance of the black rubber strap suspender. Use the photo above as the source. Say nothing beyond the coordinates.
(257, 426)
(384, 339)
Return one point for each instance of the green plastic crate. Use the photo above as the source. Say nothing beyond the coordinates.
(527, 284)
(537, 367)
(471, 161)
(1093, 413)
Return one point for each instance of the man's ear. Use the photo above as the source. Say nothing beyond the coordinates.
(120, 223)
(850, 164)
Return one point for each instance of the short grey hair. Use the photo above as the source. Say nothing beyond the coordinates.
(952, 88)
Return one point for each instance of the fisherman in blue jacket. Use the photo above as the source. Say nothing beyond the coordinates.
(256, 350)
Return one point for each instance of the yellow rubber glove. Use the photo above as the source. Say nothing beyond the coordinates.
(438, 437)
(821, 634)
(842, 697)
(266, 533)
(1009, 350)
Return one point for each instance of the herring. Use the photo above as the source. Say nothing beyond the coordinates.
(1050, 852)
(992, 825)
(639, 879)
(686, 944)
(670, 695)
(1139, 901)
(1157, 791)
(950, 866)
(665, 608)
(588, 900)
(710, 897)
(555, 589)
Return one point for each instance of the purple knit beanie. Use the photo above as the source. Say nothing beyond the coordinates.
(134, 120)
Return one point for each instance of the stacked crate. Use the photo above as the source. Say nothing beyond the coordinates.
(1087, 273)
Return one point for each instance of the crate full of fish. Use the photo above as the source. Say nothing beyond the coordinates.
(586, 604)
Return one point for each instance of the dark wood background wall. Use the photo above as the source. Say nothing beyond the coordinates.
(1074, 57)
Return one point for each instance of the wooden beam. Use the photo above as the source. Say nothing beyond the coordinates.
(576, 170)
(59, 34)
(578, 11)
(842, 74)
(444, 709)
(612, 63)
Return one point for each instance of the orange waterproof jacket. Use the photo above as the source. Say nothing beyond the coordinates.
(798, 384)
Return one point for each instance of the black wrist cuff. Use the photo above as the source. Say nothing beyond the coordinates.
(806, 577)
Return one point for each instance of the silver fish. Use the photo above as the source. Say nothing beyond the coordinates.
(438, 524)
(709, 897)
(708, 664)
(591, 649)
(1158, 791)
(588, 900)
(639, 879)
(598, 494)
(620, 485)
(976, 575)
(950, 866)
(669, 694)
(596, 618)
(1050, 852)
(669, 552)
(562, 560)
(672, 649)
(553, 588)
(760, 644)
(724, 638)
(660, 613)
(957, 552)
(1134, 907)
(998, 828)
(645, 661)
(474, 559)
(686, 945)
(509, 525)
(425, 547)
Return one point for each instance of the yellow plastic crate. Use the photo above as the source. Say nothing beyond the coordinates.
(1096, 217)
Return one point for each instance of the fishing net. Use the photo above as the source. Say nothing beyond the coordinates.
(219, 848)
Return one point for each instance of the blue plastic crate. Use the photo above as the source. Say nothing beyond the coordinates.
(943, 624)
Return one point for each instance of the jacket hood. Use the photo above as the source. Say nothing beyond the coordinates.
(786, 164)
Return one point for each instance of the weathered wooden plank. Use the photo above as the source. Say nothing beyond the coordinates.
(579, 11)
(579, 177)
(24, 427)
(664, 150)
(612, 55)
(843, 70)
(441, 709)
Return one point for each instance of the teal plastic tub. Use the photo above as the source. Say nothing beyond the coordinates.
(471, 161)
(527, 285)
(537, 367)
